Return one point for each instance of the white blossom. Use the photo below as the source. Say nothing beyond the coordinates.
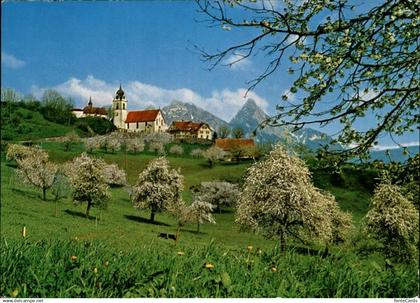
(157, 187)
(88, 181)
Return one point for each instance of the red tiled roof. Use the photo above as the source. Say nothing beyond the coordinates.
(95, 110)
(142, 116)
(187, 126)
(228, 144)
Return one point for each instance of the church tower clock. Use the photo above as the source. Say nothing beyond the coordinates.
(119, 108)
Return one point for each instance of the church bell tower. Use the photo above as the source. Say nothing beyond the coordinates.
(119, 108)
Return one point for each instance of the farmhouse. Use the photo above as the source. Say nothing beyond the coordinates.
(191, 130)
(237, 148)
(136, 121)
(228, 144)
(90, 111)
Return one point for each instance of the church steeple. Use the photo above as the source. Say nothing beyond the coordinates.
(120, 95)
(119, 106)
(90, 102)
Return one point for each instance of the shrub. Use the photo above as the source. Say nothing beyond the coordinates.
(218, 194)
(197, 153)
(135, 145)
(213, 155)
(176, 150)
(157, 148)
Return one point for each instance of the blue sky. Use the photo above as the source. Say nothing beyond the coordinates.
(88, 49)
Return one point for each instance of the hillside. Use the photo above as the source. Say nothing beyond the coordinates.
(19, 123)
(22, 205)
(117, 252)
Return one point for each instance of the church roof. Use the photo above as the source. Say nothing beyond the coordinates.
(142, 115)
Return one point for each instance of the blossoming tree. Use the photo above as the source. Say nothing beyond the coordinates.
(394, 221)
(88, 181)
(157, 187)
(279, 200)
(35, 169)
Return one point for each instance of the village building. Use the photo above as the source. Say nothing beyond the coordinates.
(237, 148)
(151, 121)
(182, 130)
(90, 111)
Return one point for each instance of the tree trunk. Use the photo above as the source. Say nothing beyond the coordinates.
(282, 242)
(44, 194)
(89, 205)
(152, 216)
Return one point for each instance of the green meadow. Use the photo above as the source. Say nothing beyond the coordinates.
(116, 252)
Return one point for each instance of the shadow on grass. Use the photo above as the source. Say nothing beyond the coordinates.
(78, 214)
(311, 252)
(223, 211)
(144, 220)
(194, 232)
(28, 193)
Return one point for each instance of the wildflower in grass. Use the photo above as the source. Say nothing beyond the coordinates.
(249, 247)
(15, 293)
(273, 269)
(73, 258)
(180, 253)
(95, 270)
(106, 263)
(209, 266)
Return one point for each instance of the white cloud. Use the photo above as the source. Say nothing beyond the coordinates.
(10, 61)
(237, 62)
(385, 147)
(222, 103)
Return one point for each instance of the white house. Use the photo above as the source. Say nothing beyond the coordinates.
(90, 111)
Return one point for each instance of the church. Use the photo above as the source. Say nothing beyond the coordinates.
(151, 121)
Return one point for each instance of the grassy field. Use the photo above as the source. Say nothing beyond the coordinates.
(145, 265)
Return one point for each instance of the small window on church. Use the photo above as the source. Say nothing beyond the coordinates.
(116, 106)
(124, 107)
(128, 125)
(137, 125)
